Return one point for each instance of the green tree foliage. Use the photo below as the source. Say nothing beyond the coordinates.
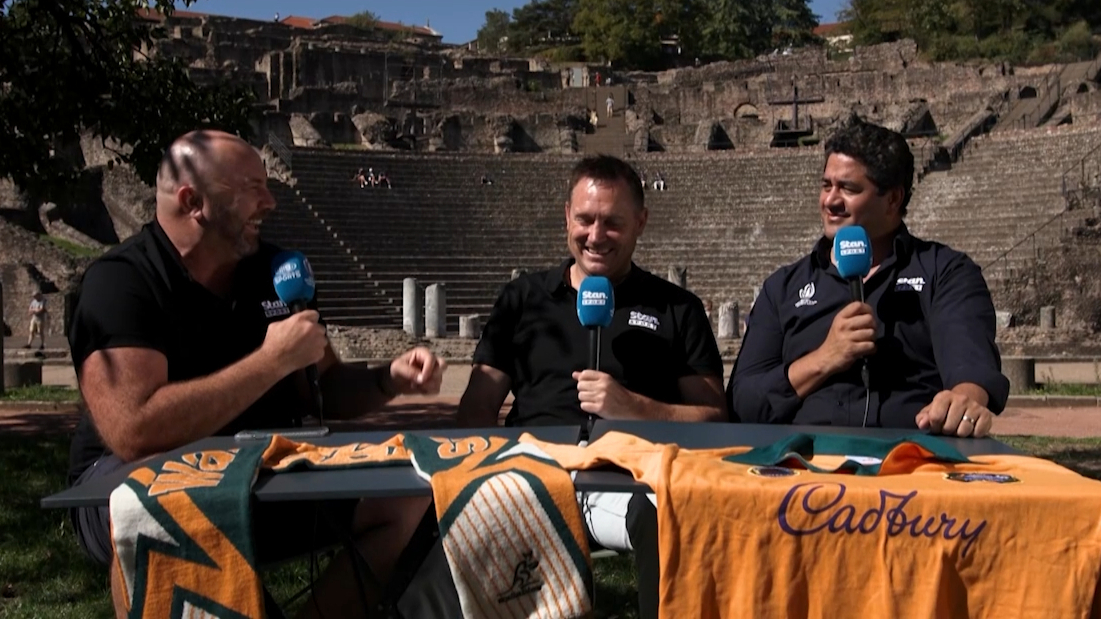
(543, 23)
(622, 32)
(734, 29)
(71, 65)
(493, 36)
(1013, 30)
(629, 33)
(364, 19)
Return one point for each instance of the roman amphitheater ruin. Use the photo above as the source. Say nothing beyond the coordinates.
(1009, 162)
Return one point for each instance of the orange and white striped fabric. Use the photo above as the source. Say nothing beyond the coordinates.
(511, 528)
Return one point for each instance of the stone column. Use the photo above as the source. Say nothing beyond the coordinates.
(412, 320)
(1047, 317)
(1021, 372)
(435, 311)
(469, 329)
(728, 321)
(22, 374)
(679, 276)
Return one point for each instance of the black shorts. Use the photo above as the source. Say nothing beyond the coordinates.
(280, 530)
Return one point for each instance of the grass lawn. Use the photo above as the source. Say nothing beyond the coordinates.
(44, 574)
(41, 393)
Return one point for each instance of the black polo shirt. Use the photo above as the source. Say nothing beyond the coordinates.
(935, 330)
(140, 295)
(659, 333)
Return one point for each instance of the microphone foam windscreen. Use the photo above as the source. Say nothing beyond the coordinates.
(293, 277)
(853, 252)
(595, 302)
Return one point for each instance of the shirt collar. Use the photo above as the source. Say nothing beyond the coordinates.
(160, 237)
(903, 245)
(556, 277)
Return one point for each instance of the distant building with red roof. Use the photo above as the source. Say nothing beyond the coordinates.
(423, 33)
(836, 35)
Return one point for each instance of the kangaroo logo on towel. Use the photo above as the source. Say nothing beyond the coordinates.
(524, 579)
(994, 478)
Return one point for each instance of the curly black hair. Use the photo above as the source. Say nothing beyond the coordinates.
(884, 153)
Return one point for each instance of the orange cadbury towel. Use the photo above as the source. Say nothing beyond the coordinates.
(999, 536)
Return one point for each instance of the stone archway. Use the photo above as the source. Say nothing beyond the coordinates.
(1027, 92)
(746, 110)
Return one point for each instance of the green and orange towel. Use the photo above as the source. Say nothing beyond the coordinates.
(509, 520)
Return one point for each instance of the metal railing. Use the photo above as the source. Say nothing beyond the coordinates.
(1083, 175)
(280, 149)
(1048, 94)
(1080, 180)
(1029, 243)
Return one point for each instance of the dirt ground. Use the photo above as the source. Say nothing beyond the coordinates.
(434, 412)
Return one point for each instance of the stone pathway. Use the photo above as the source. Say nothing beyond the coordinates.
(439, 412)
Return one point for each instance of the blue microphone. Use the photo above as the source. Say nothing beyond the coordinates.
(853, 252)
(293, 278)
(295, 285)
(595, 307)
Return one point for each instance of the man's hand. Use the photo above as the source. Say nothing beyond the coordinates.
(851, 337)
(295, 342)
(601, 395)
(955, 414)
(417, 371)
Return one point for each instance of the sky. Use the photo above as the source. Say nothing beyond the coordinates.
(458, 21)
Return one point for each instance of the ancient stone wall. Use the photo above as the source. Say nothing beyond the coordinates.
(27, 265)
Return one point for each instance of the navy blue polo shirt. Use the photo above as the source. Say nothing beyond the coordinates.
(659, 334)
(139, 294)
(935, 329)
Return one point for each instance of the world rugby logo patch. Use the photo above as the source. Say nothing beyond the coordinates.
(773, 471)
(992, 478)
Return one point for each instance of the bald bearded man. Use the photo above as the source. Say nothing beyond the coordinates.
(173, 340)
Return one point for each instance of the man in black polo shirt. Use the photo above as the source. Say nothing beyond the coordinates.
(659, 359)
(927, 328)
(178, 335)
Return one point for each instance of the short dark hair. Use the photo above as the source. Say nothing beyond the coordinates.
(884, 153)
(608, 169)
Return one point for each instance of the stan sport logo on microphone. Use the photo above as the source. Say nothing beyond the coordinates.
(590, 297)
(853, 248)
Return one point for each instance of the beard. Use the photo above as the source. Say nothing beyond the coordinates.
(228, 224)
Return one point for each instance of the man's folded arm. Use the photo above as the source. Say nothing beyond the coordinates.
(962, 327)
(137, 412)
(760, 390)
(481, 403)
(702, 397)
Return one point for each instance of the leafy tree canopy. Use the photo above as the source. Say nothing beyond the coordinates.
(631, 33)
(1013, 30)
(67, 66)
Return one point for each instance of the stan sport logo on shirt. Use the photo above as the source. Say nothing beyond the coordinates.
(638, 319)
(806, 296)
(589, 297)
(275, 308)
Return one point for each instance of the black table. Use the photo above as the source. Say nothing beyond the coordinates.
(316, 484)
(399, 481)
(717, 435)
